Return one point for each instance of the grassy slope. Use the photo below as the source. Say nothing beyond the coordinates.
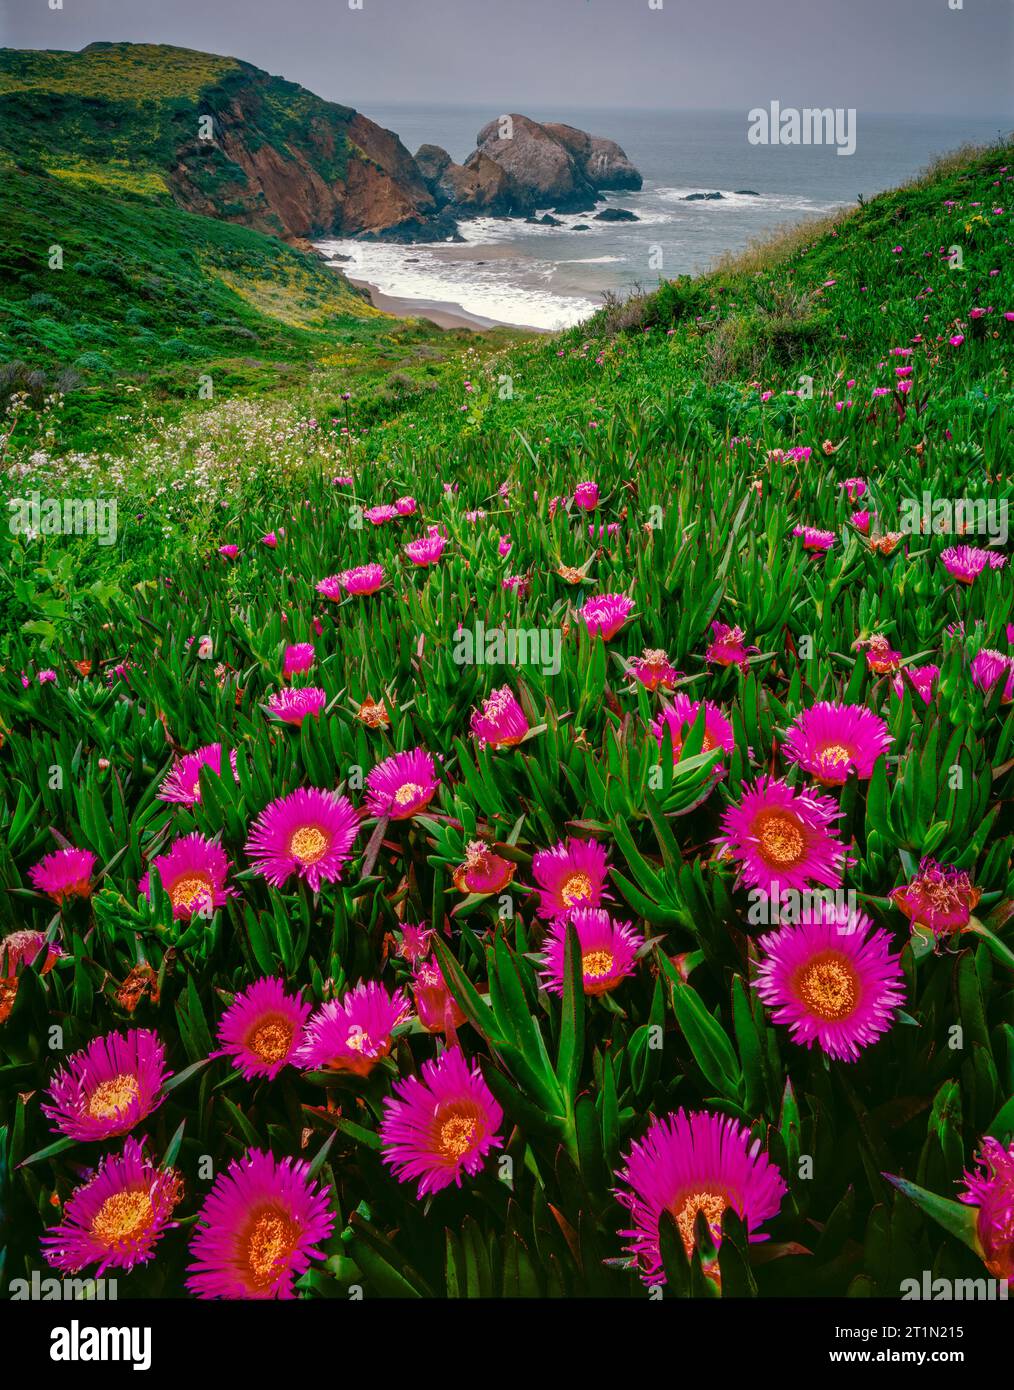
(134, 105)
(689, 372)
(155, 298)
(673, 425)
(826, 300)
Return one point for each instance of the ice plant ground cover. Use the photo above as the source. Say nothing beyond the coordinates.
(332, 958)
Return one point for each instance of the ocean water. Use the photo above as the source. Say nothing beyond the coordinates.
(553, 277)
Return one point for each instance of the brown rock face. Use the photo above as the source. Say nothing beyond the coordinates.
(478, 186)
(554, 164)
(319, 169)
(541, 170)
(604, 164)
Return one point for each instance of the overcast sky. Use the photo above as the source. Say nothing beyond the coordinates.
(874, 55)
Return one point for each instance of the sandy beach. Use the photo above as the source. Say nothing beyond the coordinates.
(444, 315)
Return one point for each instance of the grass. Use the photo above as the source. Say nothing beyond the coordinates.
(717, 417)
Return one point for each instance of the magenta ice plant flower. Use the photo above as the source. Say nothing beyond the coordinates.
(833, 980)
(262, 1029)
(260, 1227)
(108, 1087)
(308, 833)
(117, 1216)
(693, 1163)
(402, 785)
(441, 1124)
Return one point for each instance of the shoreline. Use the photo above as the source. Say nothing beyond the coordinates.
(444, 313)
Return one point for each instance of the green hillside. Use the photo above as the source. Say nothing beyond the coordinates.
(131, 107)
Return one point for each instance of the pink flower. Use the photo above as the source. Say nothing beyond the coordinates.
(192, 875)
(966, 562)
(572, 874)
(228, 552)
(834, 981)
(605, 614)
(182, 783)
(402, 785)
(260, 1227)
(415, 941)
(991, 1189)
(117, 1216)
(109, 1087)
(920, 678)
(292, 706)
(814, 539)
(586, 496)
(693, 1163)
(362, 580)
(653, 669)
(988, 667)
(483, 871)
(855, 487)
(608, 951)
(354, 1033)
(680, 717)
(727, 647)
(435, 1005)
(832, 740)
(502, 722)
(64, 874)
(262, 1029)
(428, 549)
(25, 947)
(298, 658)
(441, 1125)
(331, 587)
(782, 838)
(940, 898)
(308, 833)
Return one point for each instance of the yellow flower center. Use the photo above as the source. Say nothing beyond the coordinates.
(190, 890)
(828, 986)
(713, 1204)
(456, 1132)
(576, 889)
(123, 1217)
(271, 1038)
(266, 1246)
(113, 1096)
(308, 844)
(407, 792)
(835, 753)
(597, 964)
(358, 1039)
(781, 839)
